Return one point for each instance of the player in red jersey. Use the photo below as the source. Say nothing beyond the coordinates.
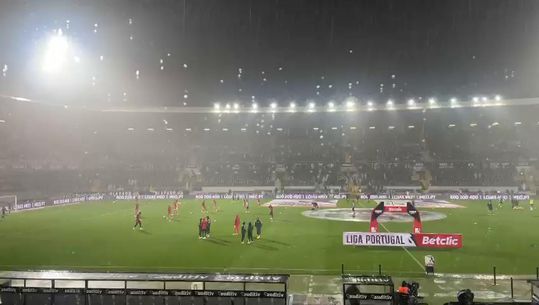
(138, 220)
(237, 224)
(204, 210)
(204, 227)
(271, 211)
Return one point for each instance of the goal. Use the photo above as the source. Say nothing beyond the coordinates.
(8, 201)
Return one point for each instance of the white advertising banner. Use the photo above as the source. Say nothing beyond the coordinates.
(378, 239)
(422, 240)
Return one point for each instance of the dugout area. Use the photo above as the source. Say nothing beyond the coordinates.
(68, 288)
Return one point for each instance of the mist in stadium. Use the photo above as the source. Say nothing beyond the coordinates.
(269, 152)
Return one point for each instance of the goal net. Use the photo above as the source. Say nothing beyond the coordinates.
(9, 202)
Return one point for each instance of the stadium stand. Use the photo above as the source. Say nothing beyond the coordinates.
(85, 151)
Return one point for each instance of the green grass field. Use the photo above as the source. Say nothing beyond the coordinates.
(99, 236)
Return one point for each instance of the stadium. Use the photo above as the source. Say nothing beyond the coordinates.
(279, 186)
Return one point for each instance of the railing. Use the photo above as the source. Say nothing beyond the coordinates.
(55, 288)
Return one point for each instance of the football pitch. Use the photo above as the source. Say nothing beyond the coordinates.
(99, 236)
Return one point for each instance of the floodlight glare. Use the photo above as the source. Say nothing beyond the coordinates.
(56, 53)
(273, 105)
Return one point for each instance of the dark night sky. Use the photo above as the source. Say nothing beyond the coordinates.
(414, 48)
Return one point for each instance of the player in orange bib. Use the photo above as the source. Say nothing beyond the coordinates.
(170, 214)
(176, 207)
(246, 205)
(203, 206)
(137, 208)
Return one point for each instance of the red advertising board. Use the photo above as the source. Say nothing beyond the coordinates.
(435, 240)
(390, 208)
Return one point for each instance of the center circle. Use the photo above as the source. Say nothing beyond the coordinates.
(364, 215)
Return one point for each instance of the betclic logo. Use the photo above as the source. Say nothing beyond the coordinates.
(433, 240)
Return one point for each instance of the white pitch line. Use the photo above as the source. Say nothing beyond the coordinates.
(123, 268)
(404, 248)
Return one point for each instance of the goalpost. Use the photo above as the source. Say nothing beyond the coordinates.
(9, 202)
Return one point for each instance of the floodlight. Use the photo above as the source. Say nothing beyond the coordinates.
(56, 53)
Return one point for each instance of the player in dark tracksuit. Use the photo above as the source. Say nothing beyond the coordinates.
(138, 220)
(208, 226)
(200, 228)
(258, 226)
(4, 210)
(250, 232)
(489, 206)
(243, 231)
